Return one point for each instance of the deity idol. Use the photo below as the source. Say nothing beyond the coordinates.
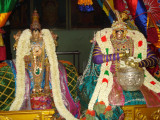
(47, 85)
(100, 87)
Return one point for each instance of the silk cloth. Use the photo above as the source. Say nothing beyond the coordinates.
(7, 86)
(117, 97)
(6, 6)
(71, 105)
(139, 13)
(72, 76)
(3, 53)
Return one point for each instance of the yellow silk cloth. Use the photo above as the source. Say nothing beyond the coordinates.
(3, 18)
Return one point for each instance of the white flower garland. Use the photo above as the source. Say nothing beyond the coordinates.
(56, 90)
(23, 49)
(136, 36)
(102, 90)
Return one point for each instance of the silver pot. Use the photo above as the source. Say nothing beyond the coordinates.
(130, 79)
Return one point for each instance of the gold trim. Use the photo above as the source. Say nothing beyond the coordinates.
(151, 55)
(121, 55)
(156, 115)
(140, 64)
(103, 58)
(1, 40)
(5, 118)
(28, 115)
(112, 57)
(139, 115)
(151, 59)
(116, 56)
(143, 63)
(148, 61)
(109, 58)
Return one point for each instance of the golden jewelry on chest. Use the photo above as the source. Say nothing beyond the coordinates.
(37, 58)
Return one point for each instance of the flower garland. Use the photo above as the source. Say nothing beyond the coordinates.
(85, 5)
(50, 50)
(105, 81)
(23, 49)
(140, 51)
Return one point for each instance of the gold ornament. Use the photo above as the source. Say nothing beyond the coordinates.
(35, 21)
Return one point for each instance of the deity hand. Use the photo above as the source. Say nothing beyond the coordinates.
(27, 60)
(127, 53)
(16, 37)
(133, 64)
(55, 36)
(46, 89)
(124, 55)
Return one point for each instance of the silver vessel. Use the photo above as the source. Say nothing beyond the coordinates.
(130, 78)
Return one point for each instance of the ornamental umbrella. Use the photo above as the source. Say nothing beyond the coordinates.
(153, 7)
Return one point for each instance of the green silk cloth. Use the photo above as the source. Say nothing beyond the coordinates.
(72, 76)
(7, 5)
(7, 87)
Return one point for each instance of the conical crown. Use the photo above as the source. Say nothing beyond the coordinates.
(35, 21)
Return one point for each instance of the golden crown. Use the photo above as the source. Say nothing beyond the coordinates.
(119, 24)
(35, 21)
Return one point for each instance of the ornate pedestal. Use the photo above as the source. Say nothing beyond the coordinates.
(141, 112)
(27, 115)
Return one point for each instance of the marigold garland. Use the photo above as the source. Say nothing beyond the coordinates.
(85, 5)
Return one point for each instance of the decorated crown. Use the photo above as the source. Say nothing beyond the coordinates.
(35, 21)
(119, 24)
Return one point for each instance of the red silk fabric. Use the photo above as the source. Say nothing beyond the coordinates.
(2, 53)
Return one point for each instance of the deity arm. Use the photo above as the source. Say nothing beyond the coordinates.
(55, 36)
(16, 37)
(46, 87)
(99, 57)
(151, 59)
(27, 60)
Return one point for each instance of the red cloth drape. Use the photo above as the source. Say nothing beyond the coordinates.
(119, 5)
(2, 53)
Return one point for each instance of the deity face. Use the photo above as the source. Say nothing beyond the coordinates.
(119, 34)
(35, 34)
(37, 50)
